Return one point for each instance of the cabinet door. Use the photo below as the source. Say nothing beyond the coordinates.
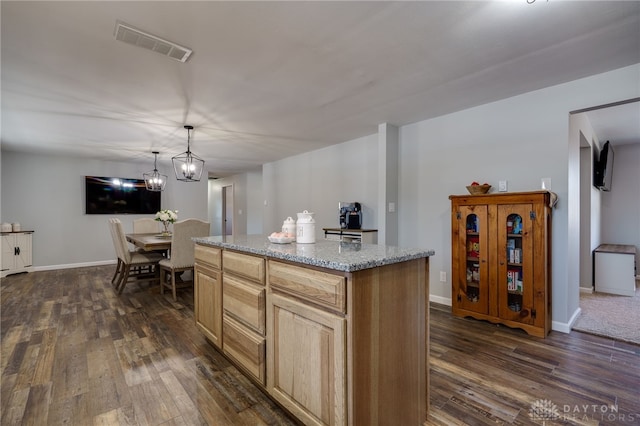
(470, 259)
(515, 263)
(208, 303)
(306, 361)
(23, 252)
(8, 252)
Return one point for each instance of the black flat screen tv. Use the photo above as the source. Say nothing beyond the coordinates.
(603, 170)
(113, 195)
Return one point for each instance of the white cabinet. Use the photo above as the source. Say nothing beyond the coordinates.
(615, 269)
(16, 252)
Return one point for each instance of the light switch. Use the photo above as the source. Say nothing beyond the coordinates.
(502, 186)
(392, 207)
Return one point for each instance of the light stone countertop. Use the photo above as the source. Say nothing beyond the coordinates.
(336, 255)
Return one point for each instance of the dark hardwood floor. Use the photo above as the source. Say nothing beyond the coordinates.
(73, 352)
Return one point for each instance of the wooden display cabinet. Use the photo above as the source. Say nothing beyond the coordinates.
(501, 259)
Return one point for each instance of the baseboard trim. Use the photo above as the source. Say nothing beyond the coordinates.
(74, 265)
(587, 290)
(439, 299)
(566, 327)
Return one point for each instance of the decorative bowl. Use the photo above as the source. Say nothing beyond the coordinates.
(281, 240)
(478, 189)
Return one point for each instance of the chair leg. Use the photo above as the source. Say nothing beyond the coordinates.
(117, 272)
(162, 278)
(123, 280)
(173, 284)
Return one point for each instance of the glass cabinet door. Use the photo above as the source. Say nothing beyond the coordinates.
(515, 271)
(472, 263)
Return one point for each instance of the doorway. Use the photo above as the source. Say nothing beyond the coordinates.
(227, 210)
(592, 209)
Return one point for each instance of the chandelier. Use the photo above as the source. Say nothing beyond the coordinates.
(188, 166)
(154, 180)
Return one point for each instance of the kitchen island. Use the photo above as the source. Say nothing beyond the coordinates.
(334, 332)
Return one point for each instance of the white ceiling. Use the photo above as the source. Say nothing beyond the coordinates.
(620, 124)
(268, 80)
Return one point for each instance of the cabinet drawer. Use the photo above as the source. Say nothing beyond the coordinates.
(245, 347)
(315, 286)
(210, 255)
(245, 302)
(244, 265)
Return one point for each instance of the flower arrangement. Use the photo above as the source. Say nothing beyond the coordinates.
(167, 217)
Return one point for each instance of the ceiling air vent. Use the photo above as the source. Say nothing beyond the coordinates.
(131, 35)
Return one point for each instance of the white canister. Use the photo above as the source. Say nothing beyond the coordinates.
(16, 227)
(305, 228)
(289, 226)
(6, 227)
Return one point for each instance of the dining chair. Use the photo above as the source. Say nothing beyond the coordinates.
(182, 253)
(116, 246)
(146, 225)
(131, 262)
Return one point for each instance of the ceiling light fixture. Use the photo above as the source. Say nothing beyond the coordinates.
(188, 166)
(154, 180)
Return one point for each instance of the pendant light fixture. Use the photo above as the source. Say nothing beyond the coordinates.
(154, 180)
(188, 166)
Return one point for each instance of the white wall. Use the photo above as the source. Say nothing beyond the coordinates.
(620, 220)
(319, 180)
(46, 194)
(248, 210)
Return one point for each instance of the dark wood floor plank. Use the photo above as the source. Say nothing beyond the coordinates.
(74, 352)
(44, 364)
(36, 411)
(14, 401)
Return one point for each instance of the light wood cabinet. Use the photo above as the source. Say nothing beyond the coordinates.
(16, 252)
(244, 316)
(360, 336)
(307, 361)
(332, 347)
(501, 262)
(245, 347)
(208, 292)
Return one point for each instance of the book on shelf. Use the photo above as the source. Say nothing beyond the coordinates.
(513, 277)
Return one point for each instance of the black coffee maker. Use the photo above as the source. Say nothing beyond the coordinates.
(350, 215)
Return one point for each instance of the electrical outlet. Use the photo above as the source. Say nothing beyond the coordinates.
(502, 186)
(443, 277)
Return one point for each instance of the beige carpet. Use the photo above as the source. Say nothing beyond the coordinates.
(610, 315)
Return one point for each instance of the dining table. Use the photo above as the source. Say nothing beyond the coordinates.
(150, 242)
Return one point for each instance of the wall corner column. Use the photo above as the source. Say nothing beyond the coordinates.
(388, 143)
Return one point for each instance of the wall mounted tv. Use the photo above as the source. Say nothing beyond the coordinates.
(603, 168)
(113, 195)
